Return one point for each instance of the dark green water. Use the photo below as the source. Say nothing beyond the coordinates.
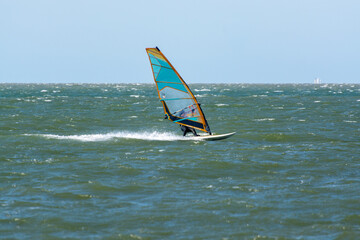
(99, 162)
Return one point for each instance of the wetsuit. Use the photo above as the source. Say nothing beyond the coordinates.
(186, 129)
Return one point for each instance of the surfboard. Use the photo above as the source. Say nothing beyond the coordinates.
(213, 137)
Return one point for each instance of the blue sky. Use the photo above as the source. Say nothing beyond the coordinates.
(254, 41)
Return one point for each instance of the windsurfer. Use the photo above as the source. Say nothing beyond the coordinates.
(186, 129)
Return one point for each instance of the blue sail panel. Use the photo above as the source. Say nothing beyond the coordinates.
(168, 75)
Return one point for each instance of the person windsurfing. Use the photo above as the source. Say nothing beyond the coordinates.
(186, 129)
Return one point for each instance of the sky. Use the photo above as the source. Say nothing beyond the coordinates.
(224, 41)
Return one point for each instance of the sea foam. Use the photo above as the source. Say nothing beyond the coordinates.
(99, 137)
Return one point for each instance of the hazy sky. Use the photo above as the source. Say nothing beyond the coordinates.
(253, 41)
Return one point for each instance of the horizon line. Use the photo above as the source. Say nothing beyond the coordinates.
(79, 83)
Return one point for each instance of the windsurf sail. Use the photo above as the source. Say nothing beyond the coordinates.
(180, 104)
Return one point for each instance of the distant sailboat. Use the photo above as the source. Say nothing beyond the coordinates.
(180, 104)
(317, 81)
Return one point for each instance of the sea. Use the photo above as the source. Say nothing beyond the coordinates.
(99, 161)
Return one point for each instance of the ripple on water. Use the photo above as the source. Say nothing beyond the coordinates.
(98, 161)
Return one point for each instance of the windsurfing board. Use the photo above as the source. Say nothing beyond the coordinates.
(214, 137)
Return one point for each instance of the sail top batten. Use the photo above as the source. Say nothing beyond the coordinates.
(180, 104)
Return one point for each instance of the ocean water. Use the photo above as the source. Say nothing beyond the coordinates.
(100, 162)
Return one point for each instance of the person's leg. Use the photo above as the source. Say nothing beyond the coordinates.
(184, 133)
(194, 132)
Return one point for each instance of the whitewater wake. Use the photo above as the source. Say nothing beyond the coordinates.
(150, 136)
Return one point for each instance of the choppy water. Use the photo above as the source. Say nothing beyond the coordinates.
(99, 162)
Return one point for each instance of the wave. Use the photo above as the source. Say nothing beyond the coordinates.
(202, 90)
(150, 136)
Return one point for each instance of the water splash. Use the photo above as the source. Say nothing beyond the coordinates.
(150, 136)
